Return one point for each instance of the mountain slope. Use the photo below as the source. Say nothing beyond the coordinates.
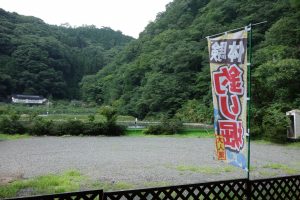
(37, 58)
(167, 67)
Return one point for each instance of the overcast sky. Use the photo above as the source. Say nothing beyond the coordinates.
(128, 16)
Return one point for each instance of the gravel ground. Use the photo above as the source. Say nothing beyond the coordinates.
(135, 160)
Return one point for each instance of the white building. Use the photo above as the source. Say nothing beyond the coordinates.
(28, 99)
(293, 131)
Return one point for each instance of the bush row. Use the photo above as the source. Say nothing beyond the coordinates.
(39, 126)
(166, 127)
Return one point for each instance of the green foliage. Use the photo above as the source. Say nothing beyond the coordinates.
(77, 127)
(166, 70)
(114, 130)
(91, 118)
(11, 125)
(109, 113)
(167, 126)
(295, 3)
(276, 81)
(155, 130)
(47, 60)
(195, 111)
(72, 127)
(95, 128)
(285, 31)
(55, 108)
(3, 110)
(40, 126)
(274, 123)
(91, 91)
(276, 89)
(182, 133)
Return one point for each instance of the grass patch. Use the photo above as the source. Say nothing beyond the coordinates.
(286, 169)
(268, 174)
(294, 144)
(290, 144)
(112, 186)
(49, 184)
(205, 169)
(135, 132)
(68, 181)
(13, 137)
(253, 168)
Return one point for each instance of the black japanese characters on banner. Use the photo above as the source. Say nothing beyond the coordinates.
(228, 64)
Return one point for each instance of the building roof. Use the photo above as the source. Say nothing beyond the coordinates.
(293, 111)
(31, 97)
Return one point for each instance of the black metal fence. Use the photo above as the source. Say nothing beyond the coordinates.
(211, 190)
(276, 188)
(86, 195)
(287, 188)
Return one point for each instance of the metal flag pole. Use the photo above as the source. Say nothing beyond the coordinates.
(249, 96)
(249, 93)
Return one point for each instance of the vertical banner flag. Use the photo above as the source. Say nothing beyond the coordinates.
(228, 67)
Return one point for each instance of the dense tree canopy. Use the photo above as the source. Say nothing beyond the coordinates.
(36, 58)
(168, 65)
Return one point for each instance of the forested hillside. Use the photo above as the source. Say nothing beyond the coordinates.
(37, 58)
(166, 70)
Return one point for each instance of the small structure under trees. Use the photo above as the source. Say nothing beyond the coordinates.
(293, 131)
(28, 99)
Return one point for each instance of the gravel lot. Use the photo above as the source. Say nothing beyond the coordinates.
(134, 159)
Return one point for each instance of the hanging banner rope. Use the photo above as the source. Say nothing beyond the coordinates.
(228, 67)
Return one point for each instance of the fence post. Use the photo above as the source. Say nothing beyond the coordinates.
(101, 195)
(248, 189)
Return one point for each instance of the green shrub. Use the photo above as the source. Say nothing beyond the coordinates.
(32, 116)
(76, 127)
(109, 112)
(11, 125)
(275, 123)
(3, 110)
(39, 126)
(155, 130)
(113, 129)
(167, 126)
(91, 118)
(95, 128)
(72, 127)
